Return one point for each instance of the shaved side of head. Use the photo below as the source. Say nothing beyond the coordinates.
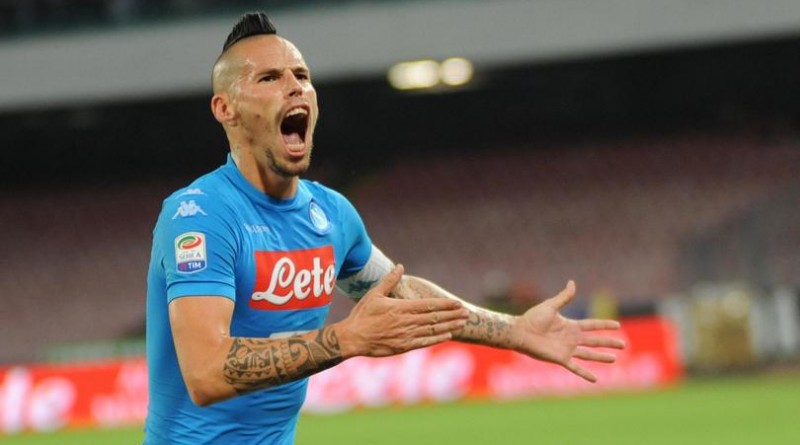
(229, 67)
(227, 72)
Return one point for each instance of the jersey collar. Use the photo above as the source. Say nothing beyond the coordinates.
(301, 198)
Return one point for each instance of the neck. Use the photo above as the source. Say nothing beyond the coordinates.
(262, 177)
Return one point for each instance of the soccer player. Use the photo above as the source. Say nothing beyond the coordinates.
(246, 258)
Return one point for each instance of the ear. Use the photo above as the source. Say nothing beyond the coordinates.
(223, 110)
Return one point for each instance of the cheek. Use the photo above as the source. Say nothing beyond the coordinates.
(255, 107)
(254, 118)
(251, 120)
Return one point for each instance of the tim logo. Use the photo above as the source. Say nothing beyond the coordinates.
(297, 279)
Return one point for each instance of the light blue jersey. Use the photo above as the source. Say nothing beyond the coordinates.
(278, 260)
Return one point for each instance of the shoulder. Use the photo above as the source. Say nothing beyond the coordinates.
(207, 201)
(210, 190)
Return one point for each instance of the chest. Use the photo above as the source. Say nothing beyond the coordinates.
(286, 269)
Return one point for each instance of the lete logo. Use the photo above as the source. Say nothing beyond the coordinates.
(297, 279)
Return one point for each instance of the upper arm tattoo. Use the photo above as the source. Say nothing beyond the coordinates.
(359, 287)
(256, 363)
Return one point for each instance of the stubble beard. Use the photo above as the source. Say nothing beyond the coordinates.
(288, 169)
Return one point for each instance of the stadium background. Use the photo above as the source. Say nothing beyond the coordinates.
(649, 150)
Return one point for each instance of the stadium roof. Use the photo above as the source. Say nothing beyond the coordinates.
(173, 59)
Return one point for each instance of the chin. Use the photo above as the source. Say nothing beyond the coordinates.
(291, 169)
(287, 167)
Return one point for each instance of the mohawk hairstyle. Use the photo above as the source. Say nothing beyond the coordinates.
(250, 24)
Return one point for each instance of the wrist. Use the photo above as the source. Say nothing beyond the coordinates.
(515, 333)
(347, 344)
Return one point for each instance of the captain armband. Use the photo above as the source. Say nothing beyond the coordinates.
(358, 284)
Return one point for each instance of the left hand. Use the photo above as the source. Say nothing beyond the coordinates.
(544, 334)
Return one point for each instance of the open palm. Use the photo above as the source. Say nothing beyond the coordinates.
(544, 334)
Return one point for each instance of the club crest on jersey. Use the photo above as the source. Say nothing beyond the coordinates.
(190, 252)
(318, 218)
(296, 279)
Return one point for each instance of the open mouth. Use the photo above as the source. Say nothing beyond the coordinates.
(293, 128)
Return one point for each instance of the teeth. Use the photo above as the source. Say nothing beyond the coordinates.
(297, 111)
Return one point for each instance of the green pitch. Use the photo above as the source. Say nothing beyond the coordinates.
(723, 411)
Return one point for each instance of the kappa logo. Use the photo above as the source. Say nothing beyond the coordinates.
(190, 252)
(194, 191)
(297, 279)
(188, 209)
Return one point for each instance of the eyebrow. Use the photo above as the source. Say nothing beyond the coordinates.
(279, 71)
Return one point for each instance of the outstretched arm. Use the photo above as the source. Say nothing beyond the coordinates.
(541, 332)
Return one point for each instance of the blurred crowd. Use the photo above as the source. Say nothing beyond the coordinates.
(20, 16)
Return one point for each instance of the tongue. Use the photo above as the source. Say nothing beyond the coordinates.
(292, 139)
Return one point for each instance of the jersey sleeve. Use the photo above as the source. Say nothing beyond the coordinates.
(197, 247)
(357, 241)
(359, 283)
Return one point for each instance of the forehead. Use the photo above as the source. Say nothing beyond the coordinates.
(269, 51)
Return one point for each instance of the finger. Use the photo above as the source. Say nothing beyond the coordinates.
(430, 340)
(439, 328)
(602, 342)
(389, 282)
(580, 372)
(593, 324)
(450, 326)
(595, 356)
(565, 296)
(446, 315)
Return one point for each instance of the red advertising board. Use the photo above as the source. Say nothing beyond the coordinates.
(44, 397)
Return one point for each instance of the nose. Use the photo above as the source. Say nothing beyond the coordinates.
(294, 87)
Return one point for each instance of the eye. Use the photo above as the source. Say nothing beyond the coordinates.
(268, 78)
(302, 75)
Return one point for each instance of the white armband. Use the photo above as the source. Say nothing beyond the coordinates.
(377, 267)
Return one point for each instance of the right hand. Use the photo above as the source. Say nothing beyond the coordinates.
(380, 326)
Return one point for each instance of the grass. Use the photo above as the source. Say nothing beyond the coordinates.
(117, 436)
(728, 411)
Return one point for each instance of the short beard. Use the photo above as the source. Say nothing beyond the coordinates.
(287, 170)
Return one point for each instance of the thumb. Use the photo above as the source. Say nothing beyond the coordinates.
(565, 296)
(388, 283)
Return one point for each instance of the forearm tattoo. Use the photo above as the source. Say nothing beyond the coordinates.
(256, 363)
(483, 327)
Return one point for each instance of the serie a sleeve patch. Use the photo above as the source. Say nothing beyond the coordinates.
(190, 252)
